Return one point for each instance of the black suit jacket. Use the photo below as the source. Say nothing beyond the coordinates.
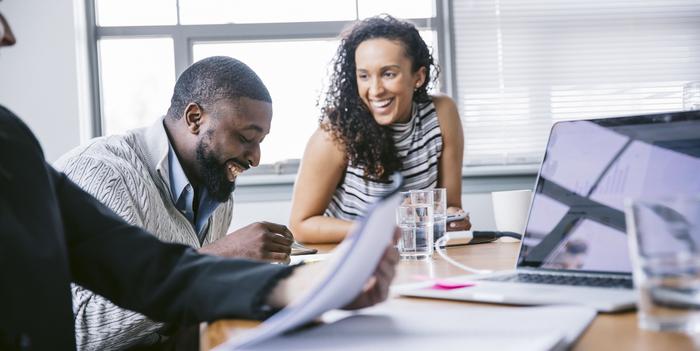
(53, 233)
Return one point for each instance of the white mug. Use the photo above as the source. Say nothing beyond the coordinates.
(510, 209)
(691, 96)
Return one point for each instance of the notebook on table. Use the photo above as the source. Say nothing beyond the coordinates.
(574, 249)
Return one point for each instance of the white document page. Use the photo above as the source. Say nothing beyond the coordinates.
(354, 261)
(402, 324)
(309, 258)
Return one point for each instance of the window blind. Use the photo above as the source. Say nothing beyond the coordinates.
(521, 65)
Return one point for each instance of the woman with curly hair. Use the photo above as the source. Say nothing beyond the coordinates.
(377, 119)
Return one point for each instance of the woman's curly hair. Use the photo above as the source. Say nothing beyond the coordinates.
(367, 144)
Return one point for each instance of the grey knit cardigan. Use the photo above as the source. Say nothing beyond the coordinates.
(129, 174)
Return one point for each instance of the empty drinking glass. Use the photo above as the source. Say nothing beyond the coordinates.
(664, 236)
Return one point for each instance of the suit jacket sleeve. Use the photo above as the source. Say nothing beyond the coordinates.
(166, 282)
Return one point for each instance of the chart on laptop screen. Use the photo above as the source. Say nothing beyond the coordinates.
(590, 167)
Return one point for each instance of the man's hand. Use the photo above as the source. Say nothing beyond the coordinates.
(259, 241)
(376, 288)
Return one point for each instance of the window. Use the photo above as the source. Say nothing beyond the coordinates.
(265, 11)
(140, 53)
(522, 65)
(124, 13)
(513, 66)
(137, 80)
(294, 91)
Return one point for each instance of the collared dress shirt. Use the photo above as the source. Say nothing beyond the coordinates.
(182, 193)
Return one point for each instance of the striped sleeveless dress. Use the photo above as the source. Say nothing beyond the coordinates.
(419, 144)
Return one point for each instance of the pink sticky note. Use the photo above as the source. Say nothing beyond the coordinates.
(444, 285)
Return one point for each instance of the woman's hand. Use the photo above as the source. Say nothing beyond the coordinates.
(463, 224)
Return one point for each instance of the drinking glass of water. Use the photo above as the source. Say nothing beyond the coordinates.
(439, 213)
(664, 236)
(414, 217)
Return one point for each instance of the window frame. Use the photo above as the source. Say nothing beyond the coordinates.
(185, 36)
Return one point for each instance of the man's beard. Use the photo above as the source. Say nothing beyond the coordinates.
(213, 173)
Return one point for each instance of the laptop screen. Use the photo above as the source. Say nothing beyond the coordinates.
(576, 219)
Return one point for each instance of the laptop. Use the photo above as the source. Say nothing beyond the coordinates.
(574, 249)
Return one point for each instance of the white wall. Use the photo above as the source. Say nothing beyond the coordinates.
(258, 201)
(478, 206)
(39, 75)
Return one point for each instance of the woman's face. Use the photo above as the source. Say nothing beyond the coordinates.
(385, 81)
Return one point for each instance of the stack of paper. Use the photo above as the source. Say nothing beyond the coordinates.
(403, 324)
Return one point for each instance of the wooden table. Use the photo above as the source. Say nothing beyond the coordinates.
(608, 331)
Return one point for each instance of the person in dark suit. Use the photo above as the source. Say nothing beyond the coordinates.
(53, 233)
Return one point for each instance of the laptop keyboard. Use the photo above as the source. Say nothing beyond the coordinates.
(561, 279)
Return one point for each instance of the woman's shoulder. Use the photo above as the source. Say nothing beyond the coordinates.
(443, 102)
(434, 106)
(324, 144)
(448, 115)
(324, 135)
(445, 107)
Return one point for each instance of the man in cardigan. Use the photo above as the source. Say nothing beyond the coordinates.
(54, 233)
(175, 179)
